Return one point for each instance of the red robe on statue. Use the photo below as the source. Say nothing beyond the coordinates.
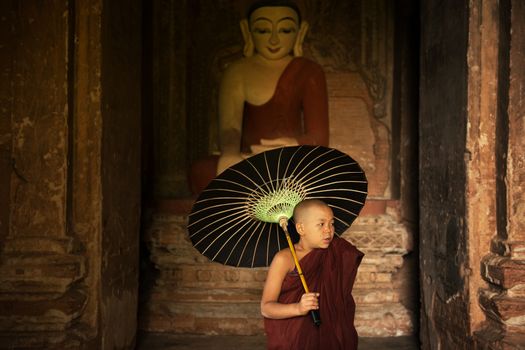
(298, 109)
(330, 272)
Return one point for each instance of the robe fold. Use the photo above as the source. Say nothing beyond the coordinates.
(330, 272)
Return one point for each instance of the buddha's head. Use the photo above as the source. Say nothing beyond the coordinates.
(273, 29)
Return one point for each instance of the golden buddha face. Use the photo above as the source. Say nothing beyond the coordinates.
(274, 31)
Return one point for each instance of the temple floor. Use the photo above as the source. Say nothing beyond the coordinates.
(165, 341)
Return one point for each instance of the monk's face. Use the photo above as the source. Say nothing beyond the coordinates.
(317, 226)
(274, 31)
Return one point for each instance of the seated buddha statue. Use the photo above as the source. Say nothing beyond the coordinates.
(270, 98)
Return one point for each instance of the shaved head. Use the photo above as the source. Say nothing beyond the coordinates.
(301, 210)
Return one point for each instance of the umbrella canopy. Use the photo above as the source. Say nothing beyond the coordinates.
(235, 220)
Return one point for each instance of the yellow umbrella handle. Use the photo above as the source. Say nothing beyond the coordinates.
(284, 224)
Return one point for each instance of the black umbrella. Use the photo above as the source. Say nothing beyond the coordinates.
(236, 220)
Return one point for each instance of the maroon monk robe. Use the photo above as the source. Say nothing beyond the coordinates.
(330, 272)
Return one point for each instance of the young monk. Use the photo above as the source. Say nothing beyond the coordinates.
(329, 265)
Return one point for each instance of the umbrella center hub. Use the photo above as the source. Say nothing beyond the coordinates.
(270, 206)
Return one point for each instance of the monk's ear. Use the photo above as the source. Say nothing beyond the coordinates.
(299, 228)
(247, 36)
(298, 47)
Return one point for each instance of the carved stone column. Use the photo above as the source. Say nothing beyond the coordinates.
(503, 302)
(39, 297)
(70, 173)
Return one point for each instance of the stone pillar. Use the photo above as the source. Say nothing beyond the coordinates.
(120, 108)
(483, 60)
(70, 170)
(444, 262)
(40, 295)
(503, 301)
(456, 295)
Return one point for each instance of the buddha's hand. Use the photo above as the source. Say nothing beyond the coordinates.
(309, 301)
(268, 144)
(227, 160)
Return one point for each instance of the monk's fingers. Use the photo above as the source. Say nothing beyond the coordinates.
(308, 297)
(313, 305)
(311, 296)
(310, 300)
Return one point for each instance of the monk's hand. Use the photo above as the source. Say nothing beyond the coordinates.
(309, 301)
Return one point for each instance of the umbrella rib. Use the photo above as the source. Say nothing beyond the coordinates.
(231, 236)
(345, 210)
(321, 173)
(336, 197)
(272, 188)
(326, 178)
(320, 165)
(258, 186)
(311, 161)
(243, 174)
(214, 199)
(325, 182)
(258, 223)
(215, 206)
(334, 190)
(236, 209)
(290, 162)
(268, 245)
(211, 223)
(218, 179)
(245, 245)
(344, 223)
(279, 183)
(224, 232)
(267, 189)
(321, 187)
(233, 249)
(236, 191)
(256, 245)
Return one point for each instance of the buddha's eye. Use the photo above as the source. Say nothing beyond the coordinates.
(287, 30)
(261, 30)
